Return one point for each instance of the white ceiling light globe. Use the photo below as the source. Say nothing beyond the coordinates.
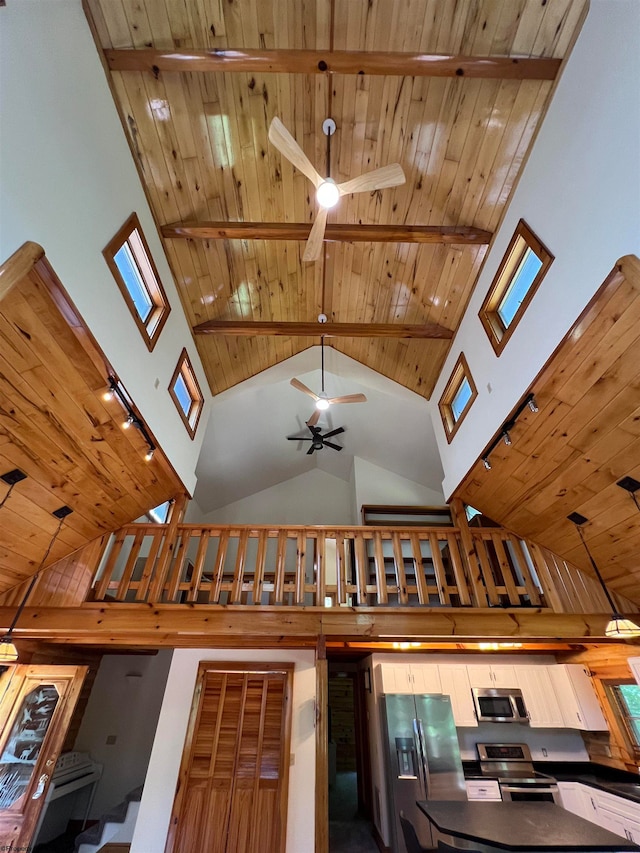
(322, 404)
(328, 193)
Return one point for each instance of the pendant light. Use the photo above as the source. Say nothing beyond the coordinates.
(617, 626)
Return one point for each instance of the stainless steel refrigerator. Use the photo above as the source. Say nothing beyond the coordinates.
(423, 759)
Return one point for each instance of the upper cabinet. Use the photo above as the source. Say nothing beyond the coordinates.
(498, 675)
(408, 678)
(539, 697)
(577, 698)
(455, 683)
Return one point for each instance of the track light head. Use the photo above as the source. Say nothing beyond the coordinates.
(533, 406)
(486, 463)
(507, 438)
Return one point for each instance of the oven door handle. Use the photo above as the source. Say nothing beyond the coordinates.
(539, 789)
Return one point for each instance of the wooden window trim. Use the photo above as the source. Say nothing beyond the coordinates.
(185, 369)
(458, 374)
(151, 329)
(620, 713)
(496, 331)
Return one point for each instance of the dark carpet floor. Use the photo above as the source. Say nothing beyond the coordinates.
(349, 832)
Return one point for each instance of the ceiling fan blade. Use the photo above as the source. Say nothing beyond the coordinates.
(315, 417)
(349, 398)
(302, 387)
(310, 450)
(286, 145)
(298, 438)
(333, 432)
(387, 176)
(313, 249)
(331, 444)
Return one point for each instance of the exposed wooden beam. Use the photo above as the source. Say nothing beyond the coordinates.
(243, 328)
(333, 62)
(190, 626)
(339, 233)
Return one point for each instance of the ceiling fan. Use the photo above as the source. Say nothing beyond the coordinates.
(317, 440)
(322, 401)
(327, 191)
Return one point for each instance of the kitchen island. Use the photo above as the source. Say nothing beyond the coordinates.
(522, 827)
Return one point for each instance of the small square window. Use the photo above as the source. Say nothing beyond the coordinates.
(130, 262)
(186, 393)
(520, 273)
(456, 400)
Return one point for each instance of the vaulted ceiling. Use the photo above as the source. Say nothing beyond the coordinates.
(197, 86)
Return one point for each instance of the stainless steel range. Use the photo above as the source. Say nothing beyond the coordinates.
(511, 764)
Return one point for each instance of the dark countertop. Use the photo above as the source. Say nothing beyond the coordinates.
(521, 827)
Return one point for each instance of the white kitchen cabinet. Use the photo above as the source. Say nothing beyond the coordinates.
(481, 789)
(539, 697)
(454, 679)
(494, 675)
(616, 814)
(577, 698)
(408, 678)
(573, 798)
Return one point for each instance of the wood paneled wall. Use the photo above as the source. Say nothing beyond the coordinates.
(568, 456)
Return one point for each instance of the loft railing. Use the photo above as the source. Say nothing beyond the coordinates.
(322, 567)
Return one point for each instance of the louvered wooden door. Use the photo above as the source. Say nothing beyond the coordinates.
(232, 789)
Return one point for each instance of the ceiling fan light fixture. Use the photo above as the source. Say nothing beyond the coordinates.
(322, 404)
(327, 194)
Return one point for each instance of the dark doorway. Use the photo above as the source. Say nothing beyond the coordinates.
(350, 828)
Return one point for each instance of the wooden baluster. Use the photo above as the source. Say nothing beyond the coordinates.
(258, 574)
(381, 574)
(362, 563)
(103, 584)
(509, 581)
(198, 567)
(300, 566)
(281, 559)
(470, 559)
(521, 561)
(149, 564)
(238, 573)
(127, 574)
(458, 569)
(487, 572)
(438, 567)
(218, 569)
(320, 569)
(341, 580)
(421, 581)
(401, 578)
(179, 563)
(156, 587)
(550, 581)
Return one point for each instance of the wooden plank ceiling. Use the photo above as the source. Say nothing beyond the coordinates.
(569, 456)
(200, 141)
(57, 429)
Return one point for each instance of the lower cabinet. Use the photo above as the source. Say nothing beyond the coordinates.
(483, 789)
(616, 814)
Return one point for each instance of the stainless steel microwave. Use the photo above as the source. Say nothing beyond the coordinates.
(499, 705)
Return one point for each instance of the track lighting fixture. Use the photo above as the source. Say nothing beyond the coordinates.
(507, 426)
(631, 485)
(617, 626)
(115, 390)
(8, 651)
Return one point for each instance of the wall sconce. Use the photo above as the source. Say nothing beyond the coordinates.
(617, 626)
(505, 430)
(629, 484)
(8, 651)
(116, 390)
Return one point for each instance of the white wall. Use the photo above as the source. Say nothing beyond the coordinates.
(127, 707)
(376, 485)
(580, 193)
(311, 498)
(69, 182)
(159, 792)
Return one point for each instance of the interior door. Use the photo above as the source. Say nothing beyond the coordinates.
(233, 784)
(36, 705)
